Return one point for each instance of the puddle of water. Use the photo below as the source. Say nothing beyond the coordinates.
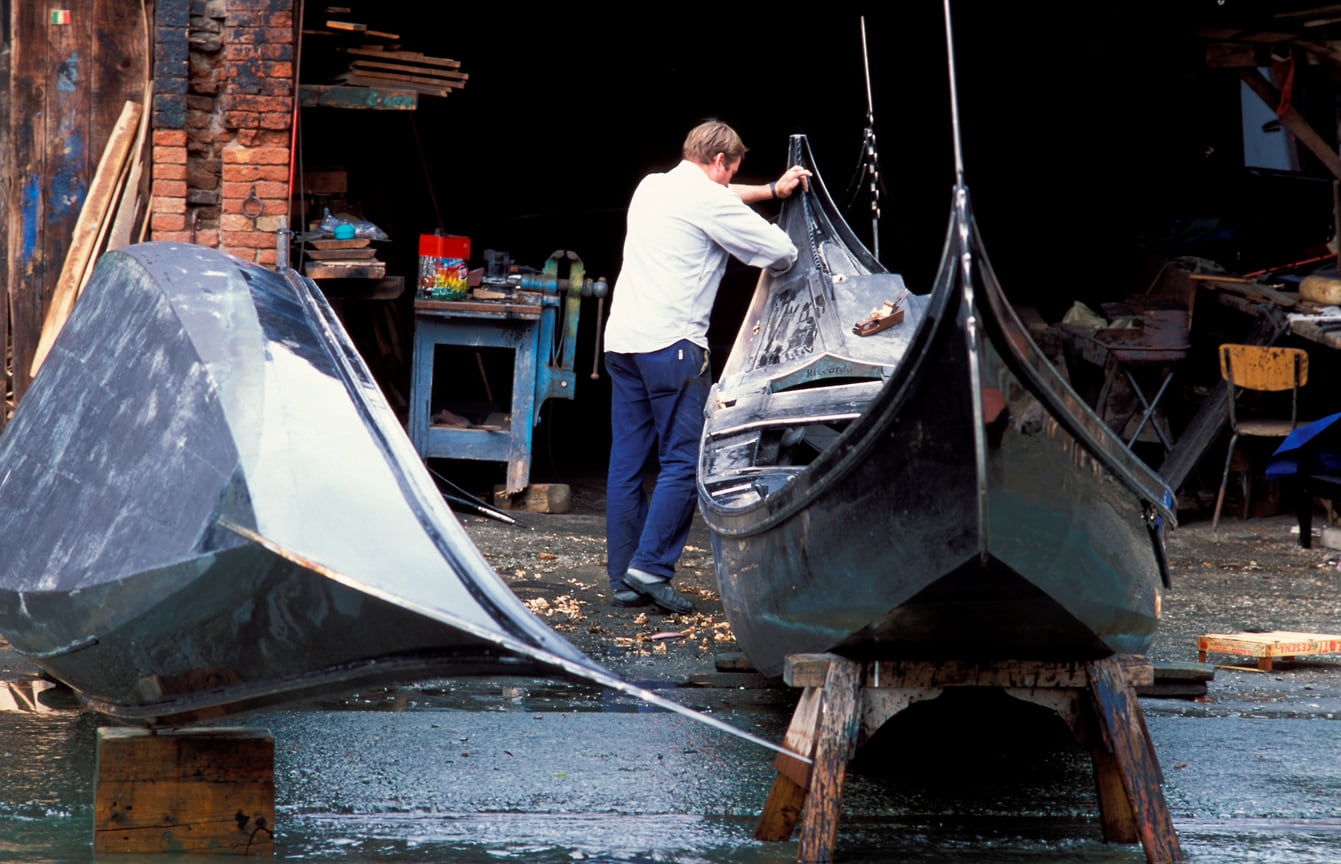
(551, 774)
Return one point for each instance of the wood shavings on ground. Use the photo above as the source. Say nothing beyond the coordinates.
(564, 604)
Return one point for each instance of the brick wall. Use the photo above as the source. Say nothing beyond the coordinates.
(223, 107)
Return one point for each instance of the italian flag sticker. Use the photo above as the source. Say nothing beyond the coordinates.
(60, 16)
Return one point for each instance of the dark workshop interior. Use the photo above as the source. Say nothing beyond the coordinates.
(1101, 142)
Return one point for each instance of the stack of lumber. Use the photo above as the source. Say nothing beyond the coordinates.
(406, 70)
(378, 64)
(113, 216)
(342, 259)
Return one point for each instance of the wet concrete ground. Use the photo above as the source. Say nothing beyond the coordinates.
(532, 770)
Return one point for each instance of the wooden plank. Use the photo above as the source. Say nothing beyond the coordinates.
(130, 212)
(837, 738)
(369, 81)
(786, 799)
(340, 254)
(109, 216)
(1124, 735)
(1117, 816)
(372, 98)
(408, 56)
(487, 309)
(425, 73)
(809, 670)
(335, 270)
(351, 243)
(184, 791)
(370, 78)
(82, 245)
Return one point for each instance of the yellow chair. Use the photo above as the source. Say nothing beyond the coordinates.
(1256, 367)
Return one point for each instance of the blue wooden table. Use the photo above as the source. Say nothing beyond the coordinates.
(478, 324)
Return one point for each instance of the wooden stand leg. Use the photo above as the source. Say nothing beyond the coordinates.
(184, 791)
(787, 798)
(1133, 766)
(837, 742)
(1116, 814)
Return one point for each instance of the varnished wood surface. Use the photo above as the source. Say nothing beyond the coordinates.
(195, 790)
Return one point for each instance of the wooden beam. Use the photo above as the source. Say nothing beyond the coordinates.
(407, 79)
(406, 56)
(837, 740)
(368, 81)
(130, 211)
(1293, 121)
(1133, 768)
(374, 98)
(429, 73)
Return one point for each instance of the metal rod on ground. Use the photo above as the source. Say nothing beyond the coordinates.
(471, 501)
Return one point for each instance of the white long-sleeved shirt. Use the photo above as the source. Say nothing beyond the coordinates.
(681, 228)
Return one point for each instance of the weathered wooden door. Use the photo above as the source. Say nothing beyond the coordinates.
(71, 66)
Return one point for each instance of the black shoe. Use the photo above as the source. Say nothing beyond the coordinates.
(658, 590)
(626, 598)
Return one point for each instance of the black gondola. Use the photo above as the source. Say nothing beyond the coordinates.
(932, 490)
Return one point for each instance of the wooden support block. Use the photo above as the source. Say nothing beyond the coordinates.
(1116, 814)
(186, 791)
(787, 798)
(536, 498)
(1125, 736)
(840, 721)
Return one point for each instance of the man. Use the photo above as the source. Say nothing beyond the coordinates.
(682, 225)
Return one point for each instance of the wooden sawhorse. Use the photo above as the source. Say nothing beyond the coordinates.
(845, 702)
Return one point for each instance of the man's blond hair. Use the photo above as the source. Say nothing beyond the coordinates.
(706, 140)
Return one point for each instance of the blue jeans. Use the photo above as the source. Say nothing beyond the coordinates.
(657, 400)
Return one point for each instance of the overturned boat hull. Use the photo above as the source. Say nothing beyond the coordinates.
(965, 504)
(207, 507)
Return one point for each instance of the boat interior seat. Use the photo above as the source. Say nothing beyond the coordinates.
(1264, 370)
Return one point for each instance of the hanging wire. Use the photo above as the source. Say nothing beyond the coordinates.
(870, 158)
(954, 100)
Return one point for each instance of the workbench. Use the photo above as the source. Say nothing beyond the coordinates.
(510, 325)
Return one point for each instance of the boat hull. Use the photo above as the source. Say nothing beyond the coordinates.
(207, 507)
(972, 508)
